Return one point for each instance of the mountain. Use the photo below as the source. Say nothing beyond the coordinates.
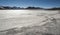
(55, 8)
(34, 8)
(14, 7)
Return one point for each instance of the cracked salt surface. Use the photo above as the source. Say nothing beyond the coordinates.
(29, 22)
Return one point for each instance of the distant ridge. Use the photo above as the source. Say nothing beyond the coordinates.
(29, 7)
(55, 8)
(8, 7)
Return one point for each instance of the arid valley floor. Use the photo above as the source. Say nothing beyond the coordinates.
(29, 22)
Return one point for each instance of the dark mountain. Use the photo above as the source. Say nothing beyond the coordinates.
(14, 7)
(34, 8)
(55, 8)
(8, 7)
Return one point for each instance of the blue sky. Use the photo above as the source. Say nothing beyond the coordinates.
(26, 3)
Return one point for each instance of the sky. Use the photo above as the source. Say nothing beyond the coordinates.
(35, 3)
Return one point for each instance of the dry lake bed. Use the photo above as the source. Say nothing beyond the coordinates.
(29, 22)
